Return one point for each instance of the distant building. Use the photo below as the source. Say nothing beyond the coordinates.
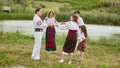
(6, 9)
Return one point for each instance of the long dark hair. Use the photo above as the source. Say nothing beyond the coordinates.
(84, 30)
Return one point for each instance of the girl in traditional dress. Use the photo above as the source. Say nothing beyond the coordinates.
(50, 31)
(70, 42)
(82, 44)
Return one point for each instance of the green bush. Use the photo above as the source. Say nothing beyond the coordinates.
(89, 18)
(15, 16)
(101, 18)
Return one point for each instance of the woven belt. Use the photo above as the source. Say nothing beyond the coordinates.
(38, 29)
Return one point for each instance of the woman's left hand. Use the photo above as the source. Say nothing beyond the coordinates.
(51, 25)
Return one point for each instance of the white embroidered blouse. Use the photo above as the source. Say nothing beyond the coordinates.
(38, 23)
(80, 21)
(71, 26)
(50, 20)
(82, 36)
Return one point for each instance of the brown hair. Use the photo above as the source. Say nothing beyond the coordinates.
(75, 18)
(37, 9)
(77, 12)
(84, 30)
(51, 11)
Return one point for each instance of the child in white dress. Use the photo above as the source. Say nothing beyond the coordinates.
(81, 48)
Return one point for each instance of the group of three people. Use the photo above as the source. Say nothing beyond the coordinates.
(75, 33)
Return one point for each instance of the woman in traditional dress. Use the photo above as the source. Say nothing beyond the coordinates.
(50, 31)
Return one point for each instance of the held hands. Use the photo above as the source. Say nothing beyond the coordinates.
(57, 25)
(62, 22)
(51, 24)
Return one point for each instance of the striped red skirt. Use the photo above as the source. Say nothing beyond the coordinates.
(70, 42)
(50, 39)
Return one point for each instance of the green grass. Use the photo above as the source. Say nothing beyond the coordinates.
(63, 5)
(27, 7)
(51, 5)
(18, 53)
(15, 38)
(56, 5)
(110, 45)
(90, 4)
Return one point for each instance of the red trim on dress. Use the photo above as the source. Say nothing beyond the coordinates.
(84, 41)
(72, 31)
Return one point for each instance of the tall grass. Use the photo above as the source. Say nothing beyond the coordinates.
(15, 38)
(18, 55)
(101, 18)
(29, 6)
(15, 16)
(88, 17)
(92, 18)
(87, 4)
(18, 38)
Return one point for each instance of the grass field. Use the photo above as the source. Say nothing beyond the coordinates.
(28, 5)
(110, 0)
(16, 50)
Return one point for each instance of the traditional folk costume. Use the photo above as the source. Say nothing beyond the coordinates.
(50, 34)
(81, 46)
(38, 31)
(80, 21)
(73, 33)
